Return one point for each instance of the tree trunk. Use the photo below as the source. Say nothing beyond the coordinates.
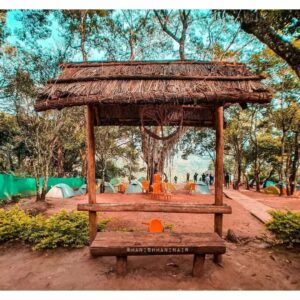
(294, 167)
(37, 186)
(60, 160)
(132, 46)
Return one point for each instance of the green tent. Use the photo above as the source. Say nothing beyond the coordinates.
(115, 181)
(60, 190)
(202, 188)
(134, 187)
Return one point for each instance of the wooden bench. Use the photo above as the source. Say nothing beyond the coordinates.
(123, 244)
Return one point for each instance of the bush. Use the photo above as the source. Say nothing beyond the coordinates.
(63, 229)
(14, 223)
(285, 226)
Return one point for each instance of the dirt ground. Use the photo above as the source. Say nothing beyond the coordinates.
(251, 264)
(276, 202)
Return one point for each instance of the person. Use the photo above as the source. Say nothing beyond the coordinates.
(207, 179)
(195, 177)
(166, 178)
(175, 179)
(187, 177)
(227, 180)
(203, 177)
(211, 179)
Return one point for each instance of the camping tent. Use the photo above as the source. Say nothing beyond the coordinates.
(134, 187)
(268, 183)
(201, 188)
(115, 181)
(60, 190)
(141, 179)
(81, 190)
(108, 188)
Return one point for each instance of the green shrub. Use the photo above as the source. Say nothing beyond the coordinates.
(102, 224)
(63, 229)
(13, 224)
(285, 226)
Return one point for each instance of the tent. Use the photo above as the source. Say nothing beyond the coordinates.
(81, 190)
(115, 181)
(134, 187)
(202, 188)
(60, 190)
(268, 183)
(108, 188)
(141, 179)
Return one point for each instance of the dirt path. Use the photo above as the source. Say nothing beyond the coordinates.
(246, 266)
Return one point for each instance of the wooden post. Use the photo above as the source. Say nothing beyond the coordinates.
(91, 170)
(219, 173)
(198, 265)
(121, 266)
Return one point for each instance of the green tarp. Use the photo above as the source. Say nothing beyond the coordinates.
(11, 185)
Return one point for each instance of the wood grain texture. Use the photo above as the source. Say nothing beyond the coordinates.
(121, 265)
(198, 265)
(219, 169)
(91, 170)
(145, 243)
(157, 207)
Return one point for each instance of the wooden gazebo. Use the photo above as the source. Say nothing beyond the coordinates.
(115, 93)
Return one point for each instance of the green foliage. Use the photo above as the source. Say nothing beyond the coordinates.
(14, 224)
(168, 227)
(285, 226)
(63, 229)
(102, 224)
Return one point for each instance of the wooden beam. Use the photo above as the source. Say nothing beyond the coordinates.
(151, 77)
(138, 63)
(45, 101)
(218, 220)
(91, 170)
(156, 207)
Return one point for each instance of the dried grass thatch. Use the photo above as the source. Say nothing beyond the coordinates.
(145, 83)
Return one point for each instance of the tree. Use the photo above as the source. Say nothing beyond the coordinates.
(171, 22)
(279, 30)
(236, 138)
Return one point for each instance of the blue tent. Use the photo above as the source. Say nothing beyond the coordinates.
(268, 183)
(134, 187)
(202, 188)
(81, 190)
(108, 188)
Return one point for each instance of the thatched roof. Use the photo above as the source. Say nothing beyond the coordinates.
(140, 83)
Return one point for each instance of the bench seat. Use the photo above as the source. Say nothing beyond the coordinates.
(123, 244)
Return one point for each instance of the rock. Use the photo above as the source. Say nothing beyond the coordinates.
(272, 257)
(231, 236)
